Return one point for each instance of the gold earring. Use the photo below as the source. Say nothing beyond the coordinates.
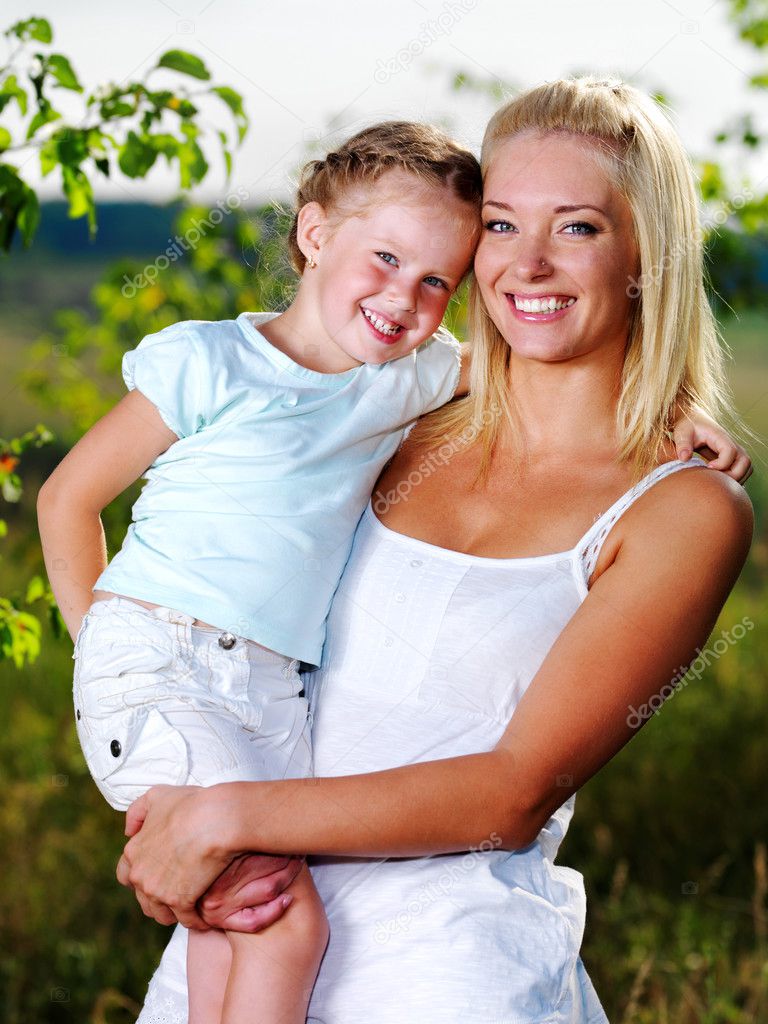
(311, 262)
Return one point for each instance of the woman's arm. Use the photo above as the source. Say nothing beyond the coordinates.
(677, 554)
(111, 456)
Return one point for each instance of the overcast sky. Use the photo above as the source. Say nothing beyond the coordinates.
(300, 65)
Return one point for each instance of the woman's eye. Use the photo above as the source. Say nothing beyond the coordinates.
(436, 282)
(581, 228)
(387, 257)
(500, 227)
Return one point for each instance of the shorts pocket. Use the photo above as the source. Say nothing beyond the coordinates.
(134, 751)
(112, 674)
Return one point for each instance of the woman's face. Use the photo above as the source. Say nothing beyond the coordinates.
(557, 250)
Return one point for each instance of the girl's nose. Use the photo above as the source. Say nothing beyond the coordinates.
(404, 294)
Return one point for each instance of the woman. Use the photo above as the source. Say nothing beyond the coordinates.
(507, 602)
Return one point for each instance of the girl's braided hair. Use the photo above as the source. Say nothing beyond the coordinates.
(419, 149)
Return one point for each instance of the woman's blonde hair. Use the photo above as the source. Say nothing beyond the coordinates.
(422, 150)
(673, 352)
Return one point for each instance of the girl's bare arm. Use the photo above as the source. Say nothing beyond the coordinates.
(111, 456)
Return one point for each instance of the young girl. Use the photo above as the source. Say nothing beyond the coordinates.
(263, 436)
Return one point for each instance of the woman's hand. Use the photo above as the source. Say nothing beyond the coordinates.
(248, 895)
(179, 845)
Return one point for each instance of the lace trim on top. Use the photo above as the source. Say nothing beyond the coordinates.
(590, 545)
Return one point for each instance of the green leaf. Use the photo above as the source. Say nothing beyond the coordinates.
(35, 590)
(78, 191)
(11, 488)
(49, 157)
(11, 90)
(711, 182)
(5, 139)
(3, 528)
(62, 71)
(44, 116)
(29, 217)
(14, 196)
(235, 103)
(192, 164)
(756, 32)
(186, 63)
(113, 108)
(136, 156)
(225, 150)
(32, 28)
(72, 146)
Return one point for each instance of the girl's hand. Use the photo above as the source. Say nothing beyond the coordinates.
(697, 430)
(248, 895)
(178, 847)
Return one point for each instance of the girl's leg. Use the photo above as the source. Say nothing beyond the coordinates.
(209, 957)
(273, 971)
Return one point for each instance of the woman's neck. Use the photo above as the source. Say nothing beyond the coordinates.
(566, 406)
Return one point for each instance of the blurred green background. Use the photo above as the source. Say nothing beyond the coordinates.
(671, 836)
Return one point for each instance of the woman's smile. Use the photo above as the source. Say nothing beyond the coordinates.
(540, 308)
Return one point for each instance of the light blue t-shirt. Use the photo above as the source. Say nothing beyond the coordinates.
(247, 520)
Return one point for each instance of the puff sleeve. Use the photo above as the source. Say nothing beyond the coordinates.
(169, 368)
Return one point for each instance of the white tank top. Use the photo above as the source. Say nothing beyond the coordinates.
(428, 652)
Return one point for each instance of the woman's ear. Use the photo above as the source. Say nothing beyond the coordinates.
(312, 229)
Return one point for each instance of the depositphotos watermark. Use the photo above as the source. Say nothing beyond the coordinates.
(695, 670)
(437, 457)
(180, 244)
(429, 32)
(432, 892)
(715, 220)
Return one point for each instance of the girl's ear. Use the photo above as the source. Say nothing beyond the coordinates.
(312, 229)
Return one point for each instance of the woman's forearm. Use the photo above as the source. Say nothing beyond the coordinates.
(433, 807)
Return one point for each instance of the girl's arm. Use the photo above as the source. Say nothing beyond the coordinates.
(114, 453)
(677, 553)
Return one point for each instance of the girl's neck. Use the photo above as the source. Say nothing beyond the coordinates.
(298, 334)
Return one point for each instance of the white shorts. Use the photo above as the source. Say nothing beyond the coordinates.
(158, 700)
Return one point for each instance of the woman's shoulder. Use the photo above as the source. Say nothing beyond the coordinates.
(699, 503)
(673, 516)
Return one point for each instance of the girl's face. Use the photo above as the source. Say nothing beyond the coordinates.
(557, 249)
(384, 275)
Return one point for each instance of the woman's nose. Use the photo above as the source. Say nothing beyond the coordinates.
(533, 263)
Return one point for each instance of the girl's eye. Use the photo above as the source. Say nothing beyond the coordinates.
(436, 282)
(581, 228)
(388, 258)
(500, 227)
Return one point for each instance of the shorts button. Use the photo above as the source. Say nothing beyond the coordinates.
(227, 641)
(115, 747)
